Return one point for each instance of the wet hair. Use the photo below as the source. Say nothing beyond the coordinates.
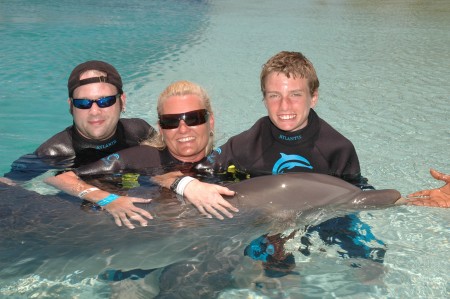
(293, 64)
(182, 88)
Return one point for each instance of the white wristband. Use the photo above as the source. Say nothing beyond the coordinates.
(183, 183)
(84, 192)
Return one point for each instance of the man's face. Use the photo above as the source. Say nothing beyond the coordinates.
(288, 101)
(97, 123)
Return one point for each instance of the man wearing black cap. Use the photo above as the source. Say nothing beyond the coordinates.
(96, 100)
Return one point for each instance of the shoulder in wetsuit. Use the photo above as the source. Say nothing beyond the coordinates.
(264, 149)
(69, 149)
(141, 159)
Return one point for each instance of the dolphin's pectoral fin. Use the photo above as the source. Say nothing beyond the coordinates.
(377, 198)
(401, 201)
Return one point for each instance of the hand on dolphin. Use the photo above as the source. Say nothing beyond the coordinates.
(122, 208)
(207, 198)
(438, 197)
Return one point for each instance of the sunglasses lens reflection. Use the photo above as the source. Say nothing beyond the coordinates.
(191, 118)
(87, 104)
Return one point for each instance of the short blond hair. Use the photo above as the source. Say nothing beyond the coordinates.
(181, 88)
(290, 64)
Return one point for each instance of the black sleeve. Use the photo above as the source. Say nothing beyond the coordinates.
(338, 151)
(27, 167)
(219, 160)
(55, 153)
(135, 158)
(351, 171)
(244, 149)
(137, 130)
(232, 152)
(59, 145)
(341, 156)
(362, 183)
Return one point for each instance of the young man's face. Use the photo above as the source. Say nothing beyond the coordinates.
(288, 101)
(97, 123)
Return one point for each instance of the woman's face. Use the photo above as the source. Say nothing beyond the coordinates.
(186, 143)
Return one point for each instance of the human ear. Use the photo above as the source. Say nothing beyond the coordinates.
(123, 99)
(314, 98)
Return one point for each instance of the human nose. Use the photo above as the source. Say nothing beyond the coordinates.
(183, 127)
(285, 102)
(95, 109)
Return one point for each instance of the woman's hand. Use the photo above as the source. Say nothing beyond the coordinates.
(207, 198)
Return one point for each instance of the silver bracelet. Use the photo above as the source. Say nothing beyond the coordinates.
(83, 193)
(182, 184)
(175, 183)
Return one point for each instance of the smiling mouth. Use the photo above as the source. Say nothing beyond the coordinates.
(287, 116)
(186, 139)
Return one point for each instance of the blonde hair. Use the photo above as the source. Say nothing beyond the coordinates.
(182, 88)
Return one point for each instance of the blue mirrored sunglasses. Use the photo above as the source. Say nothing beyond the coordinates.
(102, 102)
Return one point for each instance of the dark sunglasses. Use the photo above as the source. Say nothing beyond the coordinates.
(102, 102)
(191, 118)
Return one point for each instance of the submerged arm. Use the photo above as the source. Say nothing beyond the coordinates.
(122, 208)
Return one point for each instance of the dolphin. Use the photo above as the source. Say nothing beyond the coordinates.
(305, 191)
(50, 236)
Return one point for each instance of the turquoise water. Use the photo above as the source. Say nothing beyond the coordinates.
(42, 41)
(383, 68)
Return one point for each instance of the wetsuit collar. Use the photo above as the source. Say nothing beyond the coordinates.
(299, 136)
(80, 142)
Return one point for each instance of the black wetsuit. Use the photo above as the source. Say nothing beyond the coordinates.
(265, 149)
(69, 149)
(261, 150)
(141, 159)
